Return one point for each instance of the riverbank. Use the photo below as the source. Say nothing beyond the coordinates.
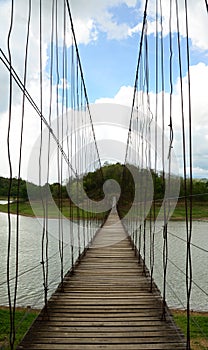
(23, 320)
(35, 208)
(198, 327)
(25, 317)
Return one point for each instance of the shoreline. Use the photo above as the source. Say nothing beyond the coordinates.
(192, 312)
(34, 210)
(21, 309)
(203, 219)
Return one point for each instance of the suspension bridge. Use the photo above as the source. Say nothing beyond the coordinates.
(106, 303)
(106, 295)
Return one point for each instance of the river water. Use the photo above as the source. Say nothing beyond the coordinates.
(30, 284)
(176, 277)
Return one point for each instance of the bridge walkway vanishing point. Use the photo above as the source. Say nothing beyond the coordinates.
(106, 303)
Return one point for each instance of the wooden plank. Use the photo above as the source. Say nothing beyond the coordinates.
(111, 331)
(50, 339)
(106, 304)
(129, 346)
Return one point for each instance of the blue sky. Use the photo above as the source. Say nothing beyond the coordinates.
(108, 65)
(108, 35)
(109, 61)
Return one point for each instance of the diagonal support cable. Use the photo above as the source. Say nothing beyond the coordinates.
(83, 81)
(18, 81)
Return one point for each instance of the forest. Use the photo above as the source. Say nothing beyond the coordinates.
(93, 185)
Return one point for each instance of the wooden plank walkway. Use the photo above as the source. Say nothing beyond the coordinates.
(106, 304)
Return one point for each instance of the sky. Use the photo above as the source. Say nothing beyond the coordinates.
(108, 34)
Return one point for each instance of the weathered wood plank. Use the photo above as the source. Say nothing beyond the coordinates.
(119, 346)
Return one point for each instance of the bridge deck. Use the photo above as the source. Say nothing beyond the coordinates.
(106, 304)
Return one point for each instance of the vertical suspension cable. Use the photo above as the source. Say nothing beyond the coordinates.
(171, 91)
(12, 335)
(155, 135)
(68, 132)
(77, 152)
(65, 77)
(137, 76)
(77, 99)
(145, 137)
(20, 163)
(40, 172)
(64, 89)
(59, 171)
(165, 231)
(140, 150)
(132, 113)
(170, 110)
(71, 143)
(84, 86)
(206, 3)
(44, 231)
(148, 151)
(83, 114)
(189, 232)
(188, 214)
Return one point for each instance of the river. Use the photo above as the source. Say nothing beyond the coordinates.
(176, 277)
(30, 285)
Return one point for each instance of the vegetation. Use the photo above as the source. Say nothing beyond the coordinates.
(23, 318)
(19, 188)
(198, 328)
(93, 186)
(35, 208)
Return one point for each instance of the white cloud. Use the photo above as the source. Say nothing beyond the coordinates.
(99, 14)
(86, 31)
(199, 172)
(123, 97)
(197, 21)
(90, 18)
(18, 44)
(199, 110)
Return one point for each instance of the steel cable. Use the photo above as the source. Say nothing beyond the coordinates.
(14, 75)
(12, 321)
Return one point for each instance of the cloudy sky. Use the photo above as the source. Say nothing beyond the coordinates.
(108, 34)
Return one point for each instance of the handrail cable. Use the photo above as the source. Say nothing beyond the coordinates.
(31, 268)
(191, 243)
(190, 279)
(182, 272)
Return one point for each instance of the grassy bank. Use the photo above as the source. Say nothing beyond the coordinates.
(24, 319)
(200, 210)
(36, 209)
(198, 328)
